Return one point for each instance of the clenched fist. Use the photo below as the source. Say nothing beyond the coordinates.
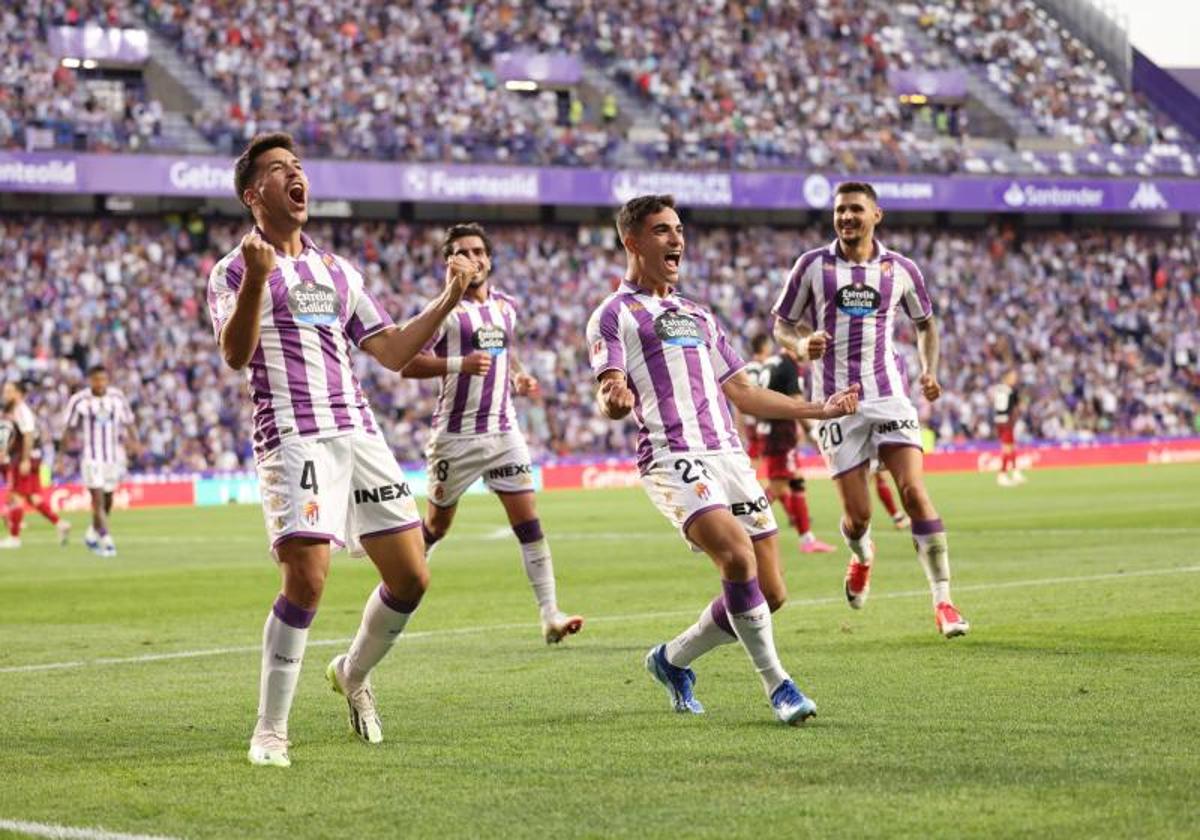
(259, 256)
(930, 387)
(815, 345)
(477, 363)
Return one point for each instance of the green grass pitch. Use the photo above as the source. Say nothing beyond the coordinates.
(1069, 711)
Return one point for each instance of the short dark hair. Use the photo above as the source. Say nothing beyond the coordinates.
(21, 385)
(243, 168)
(856, 186)
(94, 369)
(632, 212)
(760, 342)
(461, 231)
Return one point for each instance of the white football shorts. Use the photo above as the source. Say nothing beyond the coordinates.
(686, 485)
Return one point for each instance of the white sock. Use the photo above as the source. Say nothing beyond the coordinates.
(807, 537)
(929, 538)
(751, 620)
(707, 633)
(284, 637)
(861, 548)
(539, 565)
(384, 619)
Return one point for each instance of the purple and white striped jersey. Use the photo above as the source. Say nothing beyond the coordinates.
(101, 420)
(301, 381)
(475, 405)
(856, 304)
(675, 357)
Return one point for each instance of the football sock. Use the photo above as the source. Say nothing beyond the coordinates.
(861, 546)
(284, 637)
(539, 566)
(712, 629)
(43, 507)
(929, 538)
(384, 619)
(751, 620)
(797, 505)
(431, 539)
(885, 495)
(16, 514)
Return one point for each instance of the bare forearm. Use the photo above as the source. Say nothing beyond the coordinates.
(928, 347)
(241, 332)
(792, 336)
(770, 405)
(396, 347)
(426, 366)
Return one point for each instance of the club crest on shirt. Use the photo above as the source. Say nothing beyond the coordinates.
(857, 300)
(313, 304)
(677, 329)
(490, 339)
(311, 513)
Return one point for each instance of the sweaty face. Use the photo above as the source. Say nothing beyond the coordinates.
(474, 249)
(658, 243)
(854, 217)
(279, 188)
(98, 382)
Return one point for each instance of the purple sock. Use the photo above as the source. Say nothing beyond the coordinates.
(742, 597)
(430, 537)
(925, 527)
(528, 532)
(292, 615)
(394, 603)
(720, 615)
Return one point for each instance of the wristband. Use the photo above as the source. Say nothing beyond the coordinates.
(453, 364)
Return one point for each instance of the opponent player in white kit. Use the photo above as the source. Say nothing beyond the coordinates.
(838, 308)
(475, 431)
(667, 359)
(100, 413)
(287, 312)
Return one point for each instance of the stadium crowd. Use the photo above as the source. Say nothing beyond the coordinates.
(44, 104)
(1104, 327)
(1067, 89)
(742, 84)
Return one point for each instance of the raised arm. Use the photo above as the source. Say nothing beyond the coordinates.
(429, 366)
(769, 405)
(395, 347)
(240, 334)
(929, 352)
(801, 339)
(613, 396)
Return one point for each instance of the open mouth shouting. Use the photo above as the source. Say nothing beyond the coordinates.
(672, 259)
(297, 194)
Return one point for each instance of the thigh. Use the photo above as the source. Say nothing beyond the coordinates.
(453, 465)
(507, 467)
(381, 500)
(747, 501)
(845, 443)
(853, 490)
(305, 489)
(93, 475)
(400, 558)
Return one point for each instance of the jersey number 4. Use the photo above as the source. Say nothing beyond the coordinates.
(308, 478)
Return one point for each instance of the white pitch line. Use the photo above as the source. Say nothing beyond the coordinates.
(492, 628)
(65, 832)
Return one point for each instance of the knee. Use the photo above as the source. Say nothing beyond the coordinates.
(856, 521)
(776, 595)
(914, 498)
(737, 563)
(305, 587)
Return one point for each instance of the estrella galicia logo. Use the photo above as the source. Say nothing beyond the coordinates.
(858, 301)
(678, 329)
(313, 304)
(490, 339)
